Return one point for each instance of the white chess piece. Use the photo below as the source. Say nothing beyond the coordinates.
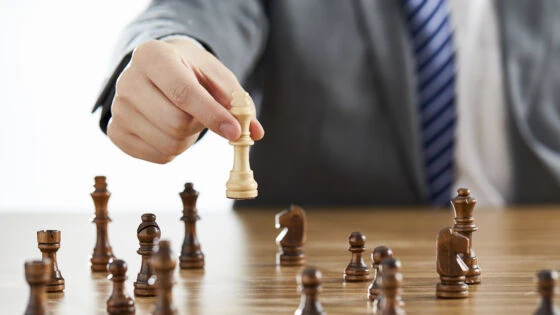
(241, 184)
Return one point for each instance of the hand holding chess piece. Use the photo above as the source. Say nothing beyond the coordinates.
(241, 184)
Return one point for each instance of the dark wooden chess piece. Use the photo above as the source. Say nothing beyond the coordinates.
(164, 262)
(309, 284)
(148, 234)
(546, 285)
(102, 252)
(37, 275)
(464, 204)
(388, 265)
(49, 243)
(450, 265)
(391, 301)
(119, 302)
(379, 254)
(191, 255)
(356, 270)
(291, 239)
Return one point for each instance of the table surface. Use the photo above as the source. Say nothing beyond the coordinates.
(241, 277)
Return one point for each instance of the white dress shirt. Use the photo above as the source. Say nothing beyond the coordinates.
(483, 157)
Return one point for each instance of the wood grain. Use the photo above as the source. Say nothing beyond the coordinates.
(241, 276)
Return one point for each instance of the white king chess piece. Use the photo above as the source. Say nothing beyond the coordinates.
(241, 184)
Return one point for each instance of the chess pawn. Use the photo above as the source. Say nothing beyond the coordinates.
(37, 275)
(191, 255)
(241, 184)
(546, 285)
(49, 243)
(378, 255)
(464, 204)
(148, 234)
(102, 252)
(164, 262)
(119, 302)
(309, 284)
(450, 265)
(356, 270)
(391, 301)
(291, 239)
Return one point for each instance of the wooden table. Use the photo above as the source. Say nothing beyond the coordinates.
(241, 276)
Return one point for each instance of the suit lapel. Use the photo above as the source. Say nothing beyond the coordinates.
(393, 68)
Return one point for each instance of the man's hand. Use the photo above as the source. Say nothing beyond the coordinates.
(168, 94)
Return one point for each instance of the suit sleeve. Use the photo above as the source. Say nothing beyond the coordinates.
(234, 30)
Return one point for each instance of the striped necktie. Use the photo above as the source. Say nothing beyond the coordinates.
(432, 42)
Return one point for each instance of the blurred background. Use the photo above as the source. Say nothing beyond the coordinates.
(54, 56)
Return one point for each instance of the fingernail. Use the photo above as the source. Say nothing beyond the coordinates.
(228, 131)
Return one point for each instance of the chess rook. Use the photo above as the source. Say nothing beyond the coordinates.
(391, 301)
(37, 275)
(49, 243)
(546, 285)
(356, 270)
(378, 255)
(119, 303)
(148, 234)
(164, 262)
(191, 254)
(291, 239)
(309, 284)
(450, 265)
(102, 252)
(241, 184)
(464, 204)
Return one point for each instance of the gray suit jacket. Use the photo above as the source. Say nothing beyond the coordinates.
(335, 87)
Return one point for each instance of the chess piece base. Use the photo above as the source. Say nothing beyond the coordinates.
(452, 291)
(240, 195)
(241, 185)
(475, 279)
(144, 289)
(120, 309)
(99, 263)
(195, 262)
(353, 276)
(55, 286)
(99, 267)
(290, 260)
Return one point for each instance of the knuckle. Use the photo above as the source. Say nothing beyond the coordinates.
(178, 127)
(117, 108)
(180, 95)
(174, 147)
(123, 86)
(146, 50)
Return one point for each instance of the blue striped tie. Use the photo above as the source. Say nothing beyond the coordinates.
(432, 41)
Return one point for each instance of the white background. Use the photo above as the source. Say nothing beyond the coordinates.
(54, 56)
